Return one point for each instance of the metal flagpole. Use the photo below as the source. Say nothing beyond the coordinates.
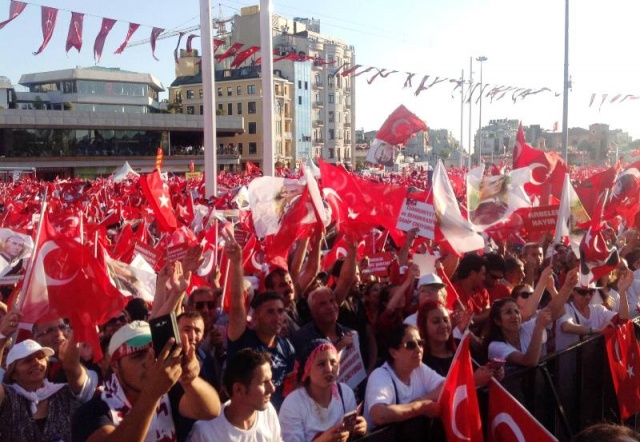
(266, 43)
(208, 101)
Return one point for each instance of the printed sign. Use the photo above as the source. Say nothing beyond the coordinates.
(352, 370)
(417, 214)
(379, 263)
(539, 219)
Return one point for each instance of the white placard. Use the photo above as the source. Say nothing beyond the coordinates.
(417, 214)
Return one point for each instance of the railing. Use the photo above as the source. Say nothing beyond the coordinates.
(566, 392)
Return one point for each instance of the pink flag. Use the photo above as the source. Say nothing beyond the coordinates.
(133, 27)
(175, 51)
(15, 9)
(233, 50)
(74, 37)
(49, 16)
(191, 37)
(216, 43)
(105, 28)
(155, 32)
(242, 56)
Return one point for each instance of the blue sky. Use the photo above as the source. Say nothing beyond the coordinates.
(523, 41)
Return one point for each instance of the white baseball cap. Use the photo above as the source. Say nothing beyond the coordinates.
(26, 348)
(430, 279)
(136, 334)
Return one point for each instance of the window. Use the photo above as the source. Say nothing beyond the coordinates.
(239, 109)
(331, 116)
(251, 89)
(306, 85)
(299, 84)
(220, 109)
(339, 117)
(331, 155)
(190, 110)
(229, 91)
(238, 90)
(331, 98)
(251, 107)
(200, 93)
(331, 135)
(279, 127)
(299, 99)
(253, 148)
(219, 92)
(253, 127)
(189, 94)
(229, 108)
(240, 148)
(201, 110)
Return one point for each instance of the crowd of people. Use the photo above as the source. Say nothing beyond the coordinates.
(261, 358)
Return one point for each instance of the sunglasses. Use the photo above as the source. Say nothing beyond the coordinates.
(209, 304)
(585, 292)
(525, 295)
(412, 345)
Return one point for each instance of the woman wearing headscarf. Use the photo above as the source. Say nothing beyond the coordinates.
(316, 410)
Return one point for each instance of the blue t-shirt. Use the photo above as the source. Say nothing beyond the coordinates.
(282, 359)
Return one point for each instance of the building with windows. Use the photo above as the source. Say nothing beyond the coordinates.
(330, 134)
(88, 122)
(239, 93)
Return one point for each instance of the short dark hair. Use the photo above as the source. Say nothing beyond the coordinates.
(263, 297)
(606, 432)
(511, 264)
(471, 262)
(394, 339)
(268, 280)
(191, 314)
(632, 257)
(495, 262)
(138, 309)
(203, 291)
(240, 368)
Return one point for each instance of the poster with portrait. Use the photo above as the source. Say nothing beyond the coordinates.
(382, 153)
(15, 251)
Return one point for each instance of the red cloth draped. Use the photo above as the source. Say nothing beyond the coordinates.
(133, 27)
(74, 37)
(98, 45)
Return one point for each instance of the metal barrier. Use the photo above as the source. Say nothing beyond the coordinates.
(566, 392)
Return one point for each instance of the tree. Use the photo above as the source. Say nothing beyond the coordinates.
(38, 104)
(68, 106)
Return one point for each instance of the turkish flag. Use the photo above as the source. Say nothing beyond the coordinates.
(133, 27)
(252, 169)
(233, 50)
(67, 281)
(216, 42)
(339, 250)
(98, 45)
(74, 37)
(460, 411)
(399, 126)
(155, 33)
(49, 16)
(598, 256)
(509, 420)
(15, 9)
(590, 189)
(243, 55)
(624, 363)
(157, 193)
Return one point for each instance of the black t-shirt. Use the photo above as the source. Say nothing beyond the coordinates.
(95, 414)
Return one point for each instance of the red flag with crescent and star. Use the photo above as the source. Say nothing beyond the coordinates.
(458, 400)
(74, 37)
(509, 421)
(98, 45)
(49, 16)
(67, 281)
(15, 9)
(157, 193)
(624, 362)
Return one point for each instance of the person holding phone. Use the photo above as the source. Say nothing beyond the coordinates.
(321, 408)
(147, 398)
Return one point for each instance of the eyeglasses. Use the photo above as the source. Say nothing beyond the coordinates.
(412, 345)
(585, 292)
(61, 327)
(525, 294)
(492, 276)
(209, 304)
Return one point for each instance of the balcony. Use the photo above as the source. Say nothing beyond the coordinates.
(347, 105)
(318, 140)
(347, 89)
(319, 84)
(318, 103)
(347, 124)
(318, 123)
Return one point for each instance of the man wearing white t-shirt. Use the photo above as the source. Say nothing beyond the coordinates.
(248, 415)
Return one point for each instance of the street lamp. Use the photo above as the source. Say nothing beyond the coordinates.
(481, 59)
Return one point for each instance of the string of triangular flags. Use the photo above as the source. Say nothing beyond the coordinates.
(427, 81)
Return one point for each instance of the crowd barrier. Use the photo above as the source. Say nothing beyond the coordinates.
(566, 392)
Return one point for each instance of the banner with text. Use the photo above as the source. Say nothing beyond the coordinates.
(417, 214)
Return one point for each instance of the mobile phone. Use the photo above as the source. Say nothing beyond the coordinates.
(496, 363)
(349, 420)
(162, 329)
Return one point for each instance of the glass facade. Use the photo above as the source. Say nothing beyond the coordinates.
(89, 87)
(110, 108)
(78, 142)
(302, 114)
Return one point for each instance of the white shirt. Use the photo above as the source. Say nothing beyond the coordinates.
(302, 419)
(596, 299)
(266, 428)
(502, 350)
(598, 317)
(380, 388)
(633, 293)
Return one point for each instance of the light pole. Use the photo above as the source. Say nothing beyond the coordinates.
(567, 85)
(481, 59)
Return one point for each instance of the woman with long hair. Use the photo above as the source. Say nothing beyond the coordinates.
(315, 411)
(434, 324)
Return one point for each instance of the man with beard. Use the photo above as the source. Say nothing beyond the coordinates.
(191, 326)
(249, 414)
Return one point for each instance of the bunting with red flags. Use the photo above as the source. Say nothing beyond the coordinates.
(74, 37)
(15, 9)
(98, 45)
(49, 16)
(133, 27)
